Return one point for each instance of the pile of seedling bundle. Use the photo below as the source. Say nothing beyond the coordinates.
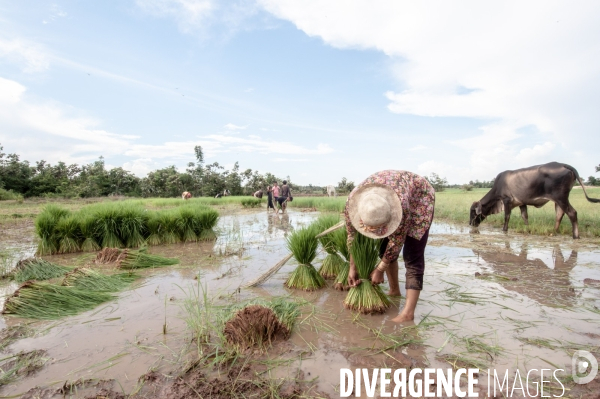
(255, 324)
(303, 245)
(121, 224)
(366, 298)
(39, 300)
(36, 269)
(333, 263)
(340, 240)
(133, 259)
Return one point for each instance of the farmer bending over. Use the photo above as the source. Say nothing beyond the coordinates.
(397, 207)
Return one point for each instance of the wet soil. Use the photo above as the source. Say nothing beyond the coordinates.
(532, 301)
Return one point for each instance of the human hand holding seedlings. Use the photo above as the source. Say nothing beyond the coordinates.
(353, 278)
(378, 273)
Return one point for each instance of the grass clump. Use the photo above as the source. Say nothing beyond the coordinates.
(366, 298)
(36, 269)
(303, 245)
(340, 239)
(323, 204)
(88, 279)
(260, 322)
(46, 301)
(20, 365)
(333, 263)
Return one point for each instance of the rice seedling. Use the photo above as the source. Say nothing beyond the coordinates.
(340, 240)
(69, 231)
(132, 259)
(45, 228)
(88, 232)
(154, 229)
(459, 361)
(21, 365)
(303, 244)
(36, 269)
(332, 263)
(366, 298)
(251, 202)
(46, 301)
(187, 225)
(132, 228)
(85, 278)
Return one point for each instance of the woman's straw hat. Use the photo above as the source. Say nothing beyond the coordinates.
(375, 210)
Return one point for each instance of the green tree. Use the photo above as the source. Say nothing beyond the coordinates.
(438, 183)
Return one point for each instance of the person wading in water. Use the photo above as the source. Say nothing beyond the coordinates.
(397, 207)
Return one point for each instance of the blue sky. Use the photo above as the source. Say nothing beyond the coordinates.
(314, 90)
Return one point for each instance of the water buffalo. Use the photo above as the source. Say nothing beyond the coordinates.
(535, 186)
(331, 191)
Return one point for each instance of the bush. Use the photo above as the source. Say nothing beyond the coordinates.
(6, 195)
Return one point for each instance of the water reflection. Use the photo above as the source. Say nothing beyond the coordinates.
(541, 275)
(280, 222)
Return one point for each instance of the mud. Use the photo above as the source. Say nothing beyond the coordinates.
(528, 288)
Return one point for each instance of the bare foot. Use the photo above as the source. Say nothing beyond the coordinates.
(402, 317)
(394, 293)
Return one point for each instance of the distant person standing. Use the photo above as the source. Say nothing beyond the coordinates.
(286, 193)
(270, 199)
(276, 195)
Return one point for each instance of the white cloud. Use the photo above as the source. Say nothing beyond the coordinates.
(197, 16)
(65, 137)
(536, 154)
(31, 57)
(419, 147)
(141, 166)
(508, 64)
(231, 126)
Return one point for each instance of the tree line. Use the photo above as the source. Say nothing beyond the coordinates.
(42, 179)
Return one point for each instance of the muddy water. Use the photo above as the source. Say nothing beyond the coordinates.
(527, 287)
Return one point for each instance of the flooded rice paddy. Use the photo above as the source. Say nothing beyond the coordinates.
(490, 300)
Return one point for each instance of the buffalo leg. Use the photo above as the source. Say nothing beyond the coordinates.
(571, 213)
(523, 209)
(559, 215)
(507, 210)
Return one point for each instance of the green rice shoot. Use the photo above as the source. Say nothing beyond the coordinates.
(303, 245)
(88, 279)
(37, 269)
(366, 298)
(340, 239)
(141, 260)
(332, 263)
(44, 301)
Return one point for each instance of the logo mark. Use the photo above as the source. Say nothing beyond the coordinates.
(583, 362)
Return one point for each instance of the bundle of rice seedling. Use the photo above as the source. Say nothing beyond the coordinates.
(154, 229)
(133, 221)
(36, 269)
(92, 280)
(69, 234)
(366, 298)
(303, 245)
(141, 260)
(87, 225)
(108, 255)
(332, 263)
(132, 259)
(48, 301)
(108, 222)
(259, 322)
(45, 228)
(340, 239)
(207, 220)
(188, 224)
(167, 221)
